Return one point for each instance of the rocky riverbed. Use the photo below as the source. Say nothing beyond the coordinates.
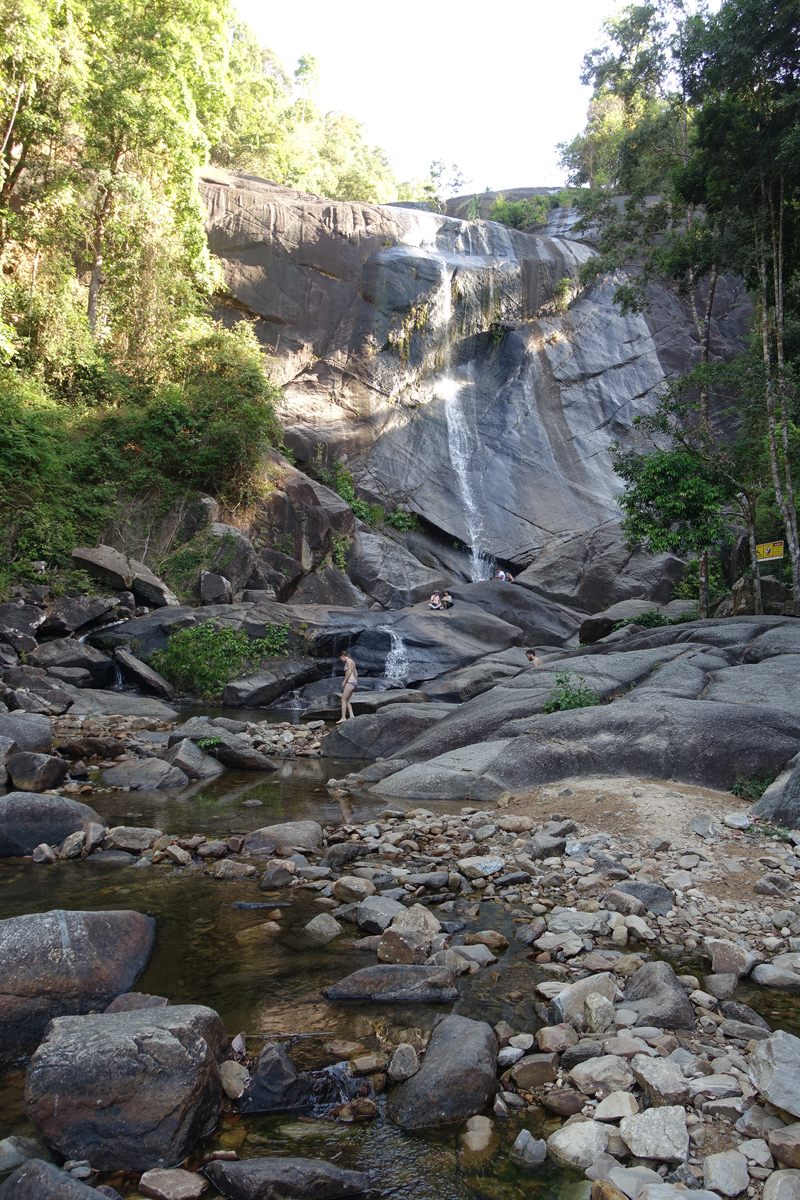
(594, 977)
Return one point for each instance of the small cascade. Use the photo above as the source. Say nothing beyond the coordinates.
(117, 684)
(397, 661)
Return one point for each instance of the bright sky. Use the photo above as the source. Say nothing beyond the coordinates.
(491, 89)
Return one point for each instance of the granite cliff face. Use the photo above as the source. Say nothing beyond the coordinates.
(439, 359)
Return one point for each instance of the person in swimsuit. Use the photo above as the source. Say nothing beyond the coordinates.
(533, 658)
(348, 687)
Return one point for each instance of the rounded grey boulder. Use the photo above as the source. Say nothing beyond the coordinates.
(28, 818)
(65, 962)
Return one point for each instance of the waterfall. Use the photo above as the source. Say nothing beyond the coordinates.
(397, 663)
(460, 448)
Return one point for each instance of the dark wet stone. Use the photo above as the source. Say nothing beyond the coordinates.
(457, 1079)
(392, 983)
(285, 1179)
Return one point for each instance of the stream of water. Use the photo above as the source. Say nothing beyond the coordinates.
(397, 661)
(208, 951)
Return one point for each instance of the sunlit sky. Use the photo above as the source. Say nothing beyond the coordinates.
(492, 88)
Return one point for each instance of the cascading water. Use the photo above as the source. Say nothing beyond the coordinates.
(397, 662)
(460, 448)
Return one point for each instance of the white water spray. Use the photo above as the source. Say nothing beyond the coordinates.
(397, 663)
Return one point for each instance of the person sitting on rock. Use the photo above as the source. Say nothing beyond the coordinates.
(348, 687)
(532, 658)
(435, 601)
(447, 600)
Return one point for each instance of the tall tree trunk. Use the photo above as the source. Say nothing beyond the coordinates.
(703, 580)
(783, 392)
(101, 211)
(789, 517)
(750, 516)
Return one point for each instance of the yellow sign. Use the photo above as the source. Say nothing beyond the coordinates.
(769, 550)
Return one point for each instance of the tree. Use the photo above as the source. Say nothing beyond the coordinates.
(745, 171)
(672, 504)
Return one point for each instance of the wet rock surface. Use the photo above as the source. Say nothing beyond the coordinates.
(456, 1080)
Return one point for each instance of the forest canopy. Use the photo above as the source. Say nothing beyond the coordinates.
(107, 109)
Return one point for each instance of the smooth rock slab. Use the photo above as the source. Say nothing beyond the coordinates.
(128, 1091)
(615, 1106)
(30, 731)
(457, 1079)
(578, 1145)
(28, 819)
(285, 1179)
(65, 962)
(659, 1133)
(391, 983)
(775, 1070)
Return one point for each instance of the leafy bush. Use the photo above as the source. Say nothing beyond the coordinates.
(569, 695)
(340, 481)
(339, 551)
(202, 659)
(520, 214)
(402, 520)
(751, 789)
(651, 619)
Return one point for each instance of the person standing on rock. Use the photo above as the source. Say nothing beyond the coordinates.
(348, 687)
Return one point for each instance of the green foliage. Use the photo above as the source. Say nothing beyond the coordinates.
(334, 476)
(203, 658)
(207, 745)
(520, 214)
(181, 569)
(404, 521)
(571, 692)
(689, 587)
(671, 504)
(561, 293)
(339, 549)
(651, 619)
(751, 789)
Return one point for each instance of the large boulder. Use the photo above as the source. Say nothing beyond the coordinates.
(388, 573)
(98, 702)
(595, 569)
(271, 680)
(458, 1077)
(775, 1070)
(128, 1091)
(143, 676)
(285, 1179)
(66, 652)
(229, 748)
(30, 731)
(383, 734)
(38, 1180)
(108, 564)
(299, 835)
(330, 586)
(71, 613)
(781, 801)
(27, 819)
(65, 962)
(655, 994)
(19, 624)
(145, 774)
(36, 772)
(542, 622)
